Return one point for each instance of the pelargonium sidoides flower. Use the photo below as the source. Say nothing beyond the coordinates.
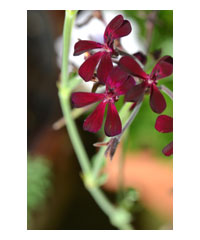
(117, 83)
(117, 28)
(162, 69)
(164, 124)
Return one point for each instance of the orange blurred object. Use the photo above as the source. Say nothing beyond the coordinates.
(150, 176)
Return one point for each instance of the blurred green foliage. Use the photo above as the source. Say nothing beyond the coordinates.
(162, 36)
(38, 182)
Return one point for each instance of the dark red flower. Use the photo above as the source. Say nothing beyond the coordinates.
(117, 28)
(162, 69)
(164, 124)
(117, 83)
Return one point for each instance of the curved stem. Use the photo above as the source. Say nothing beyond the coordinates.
(64, 94)
(74, 135)
(167, 91)
(118, 217)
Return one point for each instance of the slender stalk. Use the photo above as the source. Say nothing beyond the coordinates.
(121, 166)
(67, 30)
(100, 158)
(74, 135)
(130, 120)
(118, 217)
(64, 94)
(167, 91)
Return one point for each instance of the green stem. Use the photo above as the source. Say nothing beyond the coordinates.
(67, 30)
(65, 91)
(74, 135)
(167, 91)
(118, 217)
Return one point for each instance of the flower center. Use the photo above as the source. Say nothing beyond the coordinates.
(111, 96)
(151, 81)
(107, 49)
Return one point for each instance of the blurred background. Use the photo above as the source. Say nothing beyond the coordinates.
(57, 198)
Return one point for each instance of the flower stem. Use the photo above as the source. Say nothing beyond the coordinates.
(131, 118)
(120, 218)
(67, 30)
(167, 91)
(65, 91)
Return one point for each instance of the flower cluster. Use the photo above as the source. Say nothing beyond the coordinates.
(123, 77)
(162, 69)
(117, 83)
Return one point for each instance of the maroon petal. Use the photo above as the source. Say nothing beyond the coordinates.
(130, 65)
(84, 46)
(114, 24)
(157, 101)
(116, 78)
(81, 99)
(86, 70)
(125, 86)
(168, 150)
(164, 124)
(141, 57)
(113, 124)
(123, 30)
(163, 68)
(135, 93)
(94, 121)
(104, 68)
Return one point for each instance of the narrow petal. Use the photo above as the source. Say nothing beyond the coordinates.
(84, 46)
(125, 86)
(163, 68)
(157, 101)
(135, 93)
(113, 124)
(81, 99)
(86, 70)
(168, 150)
(164, 124)
(114, 24)
(130, 65)
(141, 57)
(116, 78)
(94, 121)
(122, 31)
(104, 68)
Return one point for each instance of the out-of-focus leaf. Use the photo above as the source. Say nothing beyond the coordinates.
(38, 182)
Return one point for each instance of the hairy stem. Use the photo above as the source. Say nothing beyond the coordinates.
(131, 118)
(118, 217)
(167, 91)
